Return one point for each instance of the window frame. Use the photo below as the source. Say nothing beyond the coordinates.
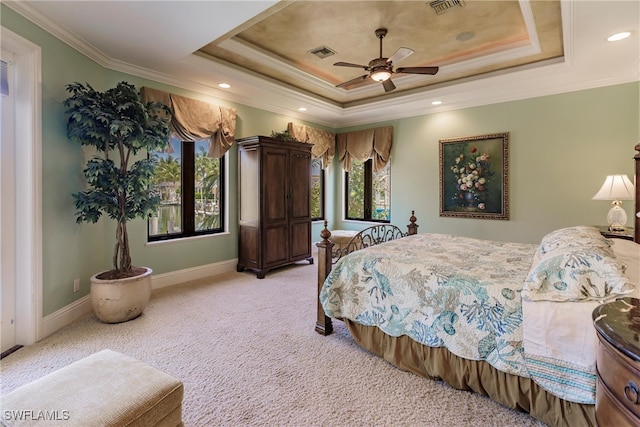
(188, 191)
(368, 196)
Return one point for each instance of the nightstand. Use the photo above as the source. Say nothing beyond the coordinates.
(626, 234)
(618, 363)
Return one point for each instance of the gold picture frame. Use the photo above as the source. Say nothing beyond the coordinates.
(474, 176)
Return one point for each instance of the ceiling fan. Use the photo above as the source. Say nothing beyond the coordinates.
(381, 69)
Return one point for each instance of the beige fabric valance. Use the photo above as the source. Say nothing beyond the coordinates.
(363, 145)
(193, 120)
(323, 141)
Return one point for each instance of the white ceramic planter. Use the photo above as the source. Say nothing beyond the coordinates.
(119, 300)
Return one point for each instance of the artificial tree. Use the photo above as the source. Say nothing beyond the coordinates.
(119, 125)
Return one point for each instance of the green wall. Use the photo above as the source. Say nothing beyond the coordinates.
(561, 148)
(73, 250)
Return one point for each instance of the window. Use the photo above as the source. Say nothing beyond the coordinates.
(317, 190)
(368, 193)
(191, 187)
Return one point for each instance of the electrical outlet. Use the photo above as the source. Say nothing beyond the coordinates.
(76, 285)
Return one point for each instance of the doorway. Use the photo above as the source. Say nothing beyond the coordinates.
(20, 183)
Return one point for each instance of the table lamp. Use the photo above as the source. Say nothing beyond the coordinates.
(616, 188)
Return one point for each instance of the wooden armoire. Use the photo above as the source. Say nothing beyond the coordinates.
(274, 206)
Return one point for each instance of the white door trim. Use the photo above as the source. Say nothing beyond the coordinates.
(28, 137)
(7, 208)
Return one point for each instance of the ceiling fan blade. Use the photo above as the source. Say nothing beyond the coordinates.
(417, 70)
(388, 85)
(349, 64)
(399, 55)
(353, 81)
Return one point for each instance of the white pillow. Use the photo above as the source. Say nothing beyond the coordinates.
(628, 253)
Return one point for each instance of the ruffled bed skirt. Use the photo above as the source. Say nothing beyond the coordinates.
(519, 393)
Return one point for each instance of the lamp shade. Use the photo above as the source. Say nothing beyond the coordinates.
(616, 187)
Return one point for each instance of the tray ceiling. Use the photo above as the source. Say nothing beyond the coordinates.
(465, 40)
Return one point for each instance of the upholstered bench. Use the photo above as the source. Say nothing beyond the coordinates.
(104, 389)
(341, 238)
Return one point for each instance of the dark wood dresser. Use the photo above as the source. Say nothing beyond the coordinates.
(618, 363)
(274, 205)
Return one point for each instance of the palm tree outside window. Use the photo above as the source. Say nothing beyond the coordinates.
(368, 193)
(191, 186)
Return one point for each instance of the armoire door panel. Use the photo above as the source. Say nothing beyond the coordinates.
(274, 187)
(276, 244)
(300, 239)
(300, 176)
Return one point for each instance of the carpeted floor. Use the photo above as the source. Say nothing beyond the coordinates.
(248, 355)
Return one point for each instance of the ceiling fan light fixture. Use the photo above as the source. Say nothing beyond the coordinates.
(380, 69)
(380, 75)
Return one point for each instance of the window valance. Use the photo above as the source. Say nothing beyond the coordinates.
(365, 144)
(323, 141)
(193, 120)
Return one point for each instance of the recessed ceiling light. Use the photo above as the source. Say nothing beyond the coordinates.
(436, 103)
(224, 85)
(619, 36)
(302, 109)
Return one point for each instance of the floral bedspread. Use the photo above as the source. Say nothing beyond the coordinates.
(440, 290)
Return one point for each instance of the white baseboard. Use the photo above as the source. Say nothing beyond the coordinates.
(67, 314)
(82, 306)
(188, 274)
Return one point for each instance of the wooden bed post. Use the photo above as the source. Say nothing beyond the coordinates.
(637, 183)
(325, 249)
(412, 228)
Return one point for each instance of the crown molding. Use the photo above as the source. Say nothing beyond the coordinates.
(61, 33)
(251, 89)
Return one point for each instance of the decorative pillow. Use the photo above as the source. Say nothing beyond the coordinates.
(576, 273)
(580, 235)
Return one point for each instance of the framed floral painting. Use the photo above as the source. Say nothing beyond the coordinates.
(474, 176)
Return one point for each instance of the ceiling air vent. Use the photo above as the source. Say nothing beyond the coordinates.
(441, 6)
(322, 52)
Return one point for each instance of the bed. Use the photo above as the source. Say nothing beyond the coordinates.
(507, 320)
